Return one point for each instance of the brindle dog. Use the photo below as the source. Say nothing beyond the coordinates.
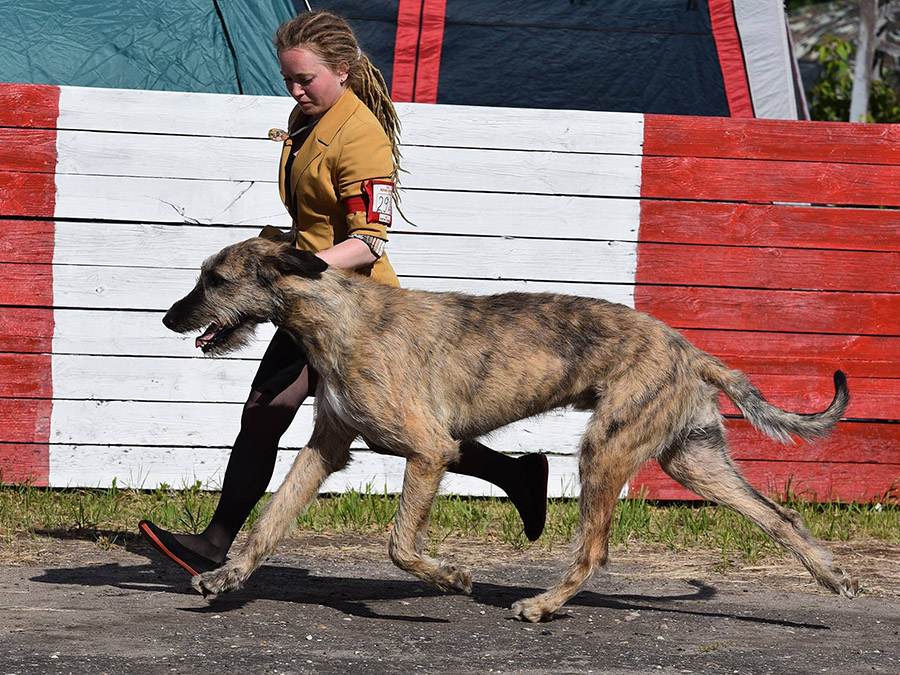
(418, 372)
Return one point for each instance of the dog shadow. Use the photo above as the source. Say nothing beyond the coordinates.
(356, 596)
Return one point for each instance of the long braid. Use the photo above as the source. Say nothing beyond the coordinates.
(333, 41)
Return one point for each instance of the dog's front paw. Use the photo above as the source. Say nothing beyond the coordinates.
(533, 609)
(455, 579)
(222, 580)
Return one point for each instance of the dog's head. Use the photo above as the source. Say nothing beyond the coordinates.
(237, 290)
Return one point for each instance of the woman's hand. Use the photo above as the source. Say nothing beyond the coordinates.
(349, 254)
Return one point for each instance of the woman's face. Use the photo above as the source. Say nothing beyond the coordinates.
(310, 82)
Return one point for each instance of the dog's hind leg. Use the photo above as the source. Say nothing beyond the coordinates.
(420, 485)
(701, 463)
(608, 458)
(328, 451)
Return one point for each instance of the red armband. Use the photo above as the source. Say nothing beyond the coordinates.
(377, 200)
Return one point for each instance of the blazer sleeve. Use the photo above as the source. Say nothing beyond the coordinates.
(365, 155)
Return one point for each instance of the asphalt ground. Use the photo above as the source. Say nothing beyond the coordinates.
(335, 604)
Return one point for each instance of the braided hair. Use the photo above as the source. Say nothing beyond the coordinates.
(331, 39)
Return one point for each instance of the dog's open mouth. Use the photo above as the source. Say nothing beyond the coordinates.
(213, 336)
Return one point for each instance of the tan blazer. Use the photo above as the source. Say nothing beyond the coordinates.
(345, 147)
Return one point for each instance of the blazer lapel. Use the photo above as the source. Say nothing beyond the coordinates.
(323, 134)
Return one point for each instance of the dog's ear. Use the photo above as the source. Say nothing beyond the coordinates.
(290, 260)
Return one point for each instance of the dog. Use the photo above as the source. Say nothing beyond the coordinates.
(418, 372)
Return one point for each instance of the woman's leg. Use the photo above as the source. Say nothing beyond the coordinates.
(281, 385)
(523, 479)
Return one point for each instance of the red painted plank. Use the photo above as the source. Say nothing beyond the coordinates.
(26, 285)
(769, 181)
(25, 329)
(28, 105)
(28, 195)
(758, 310)
(870, 399)
(811, 480)
(860, 442)
(689, 136)
(23, 462)
(773, 268)
(26, 376)
(802, 354)
(25, 420)
(730, 224)
(28, 150)
(26, 241)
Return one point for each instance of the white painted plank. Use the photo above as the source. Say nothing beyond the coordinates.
(522, 128)
(133, 333)
(78, 286)
(519, 215)
(149, 468)
(169, 200)
(131, 423)
(175, 247)
(183, 201)
(473, 169)
(84, 108)
(167, 112)
(116, 154)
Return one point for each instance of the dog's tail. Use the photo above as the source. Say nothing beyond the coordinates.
(776, 423)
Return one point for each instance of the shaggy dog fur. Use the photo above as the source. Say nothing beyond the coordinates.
(418, 372)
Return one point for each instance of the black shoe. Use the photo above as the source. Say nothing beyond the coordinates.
(532, 502)
(165, 543)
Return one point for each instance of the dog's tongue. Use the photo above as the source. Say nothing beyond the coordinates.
(207, 336)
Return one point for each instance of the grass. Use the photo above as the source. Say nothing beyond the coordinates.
(110, 515)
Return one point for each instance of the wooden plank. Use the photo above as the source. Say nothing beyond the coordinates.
(114, 154)
(24, 420)
(28, 195)
(824, 142)
(760, 310)
(124, 378)
(26, 241)
(33, 106)
(183, 201)
(769, 267)
(216, 424)
(140, 333)
(24, 463)
(859, 442)
(736, 180)
(26, 376)
(828, 481)
(801, 354)
(25, 329)
(169, 200)
(166, 112)
(27, 285)
(29, 150)
(139, 288)
(732, 224)
(84, 108)
(568, 260)
(148, 468)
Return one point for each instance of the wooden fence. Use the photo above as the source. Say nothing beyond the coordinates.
(774, 245)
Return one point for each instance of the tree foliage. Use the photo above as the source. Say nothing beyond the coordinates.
(831, 94)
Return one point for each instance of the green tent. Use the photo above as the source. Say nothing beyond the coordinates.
(219, 46)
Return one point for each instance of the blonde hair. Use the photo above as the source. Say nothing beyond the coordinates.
(331, 39)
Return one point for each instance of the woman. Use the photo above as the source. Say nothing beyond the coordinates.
(338, 166)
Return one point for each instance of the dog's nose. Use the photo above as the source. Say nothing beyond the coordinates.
(168, 322)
